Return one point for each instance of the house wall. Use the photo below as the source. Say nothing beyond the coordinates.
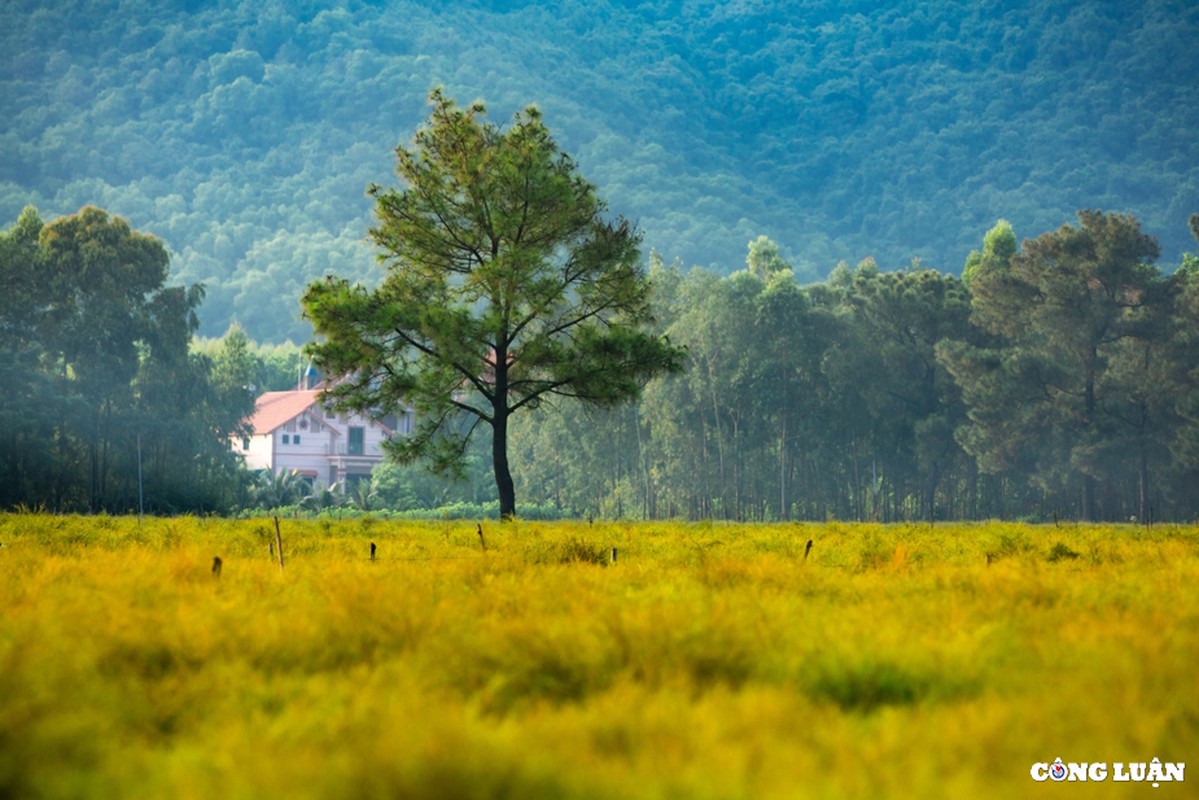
(323, 448)
(303, 444)
(259, 455)
(351, 466)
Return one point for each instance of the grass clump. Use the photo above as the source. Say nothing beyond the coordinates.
(1061, 552)
(866, 684)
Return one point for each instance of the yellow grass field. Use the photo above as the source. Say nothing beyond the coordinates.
(708, 661)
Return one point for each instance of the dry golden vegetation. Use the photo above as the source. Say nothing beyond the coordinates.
(709, 660)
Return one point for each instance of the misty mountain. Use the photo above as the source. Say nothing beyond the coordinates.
(245, 134)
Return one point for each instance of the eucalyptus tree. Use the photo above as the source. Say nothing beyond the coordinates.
(784, 396)
(729, 438)
(886, 360)
(116, 339)
(100, 377)
(30, 412)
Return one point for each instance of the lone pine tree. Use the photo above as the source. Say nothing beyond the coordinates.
(505, 285)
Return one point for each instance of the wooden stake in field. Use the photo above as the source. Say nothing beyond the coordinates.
(482, 541)
(216, 566)
(613, 555)
(372, 551)
(807, 550)
(279, 544)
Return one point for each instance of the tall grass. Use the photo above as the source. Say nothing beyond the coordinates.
(709, 660)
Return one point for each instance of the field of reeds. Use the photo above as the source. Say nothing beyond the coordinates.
(707, 660)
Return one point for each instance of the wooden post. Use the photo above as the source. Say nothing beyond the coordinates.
(216, 566)
(482, 541)
(279, 544)
(807, 550)
(372, 551)
(613, 555)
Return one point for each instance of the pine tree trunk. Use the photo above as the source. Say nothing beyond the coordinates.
(499, 462)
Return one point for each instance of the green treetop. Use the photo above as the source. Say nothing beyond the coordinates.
(505, 286)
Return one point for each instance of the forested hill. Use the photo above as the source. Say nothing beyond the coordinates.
(245, 133)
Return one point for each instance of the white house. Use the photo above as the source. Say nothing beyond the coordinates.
(293, 431)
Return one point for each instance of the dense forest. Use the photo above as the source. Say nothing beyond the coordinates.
(245, 134)
(1058, 378)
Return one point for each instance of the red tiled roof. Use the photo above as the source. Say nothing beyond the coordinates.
(275, 408)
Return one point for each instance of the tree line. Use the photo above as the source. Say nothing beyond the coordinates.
(111, 405)
(1056, 379)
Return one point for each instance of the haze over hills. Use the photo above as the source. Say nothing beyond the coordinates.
(245, 134)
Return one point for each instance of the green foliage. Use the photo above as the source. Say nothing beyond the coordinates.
(106, 406)
(999, 247)
(897, 395)
(272, 491)
(764, 259)
(883, 361)
(1068, 384)
(1061, 552)
(323, 499)
(792, 394)
(244, 136)
(866, 685)
(505, 287)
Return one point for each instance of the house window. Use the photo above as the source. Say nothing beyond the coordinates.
(245, 443)
(295, 439)
(286, 439)
(355, 445)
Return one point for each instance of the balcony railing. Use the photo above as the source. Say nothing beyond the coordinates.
(344, 449)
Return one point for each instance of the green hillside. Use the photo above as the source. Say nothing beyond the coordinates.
(245, 134)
